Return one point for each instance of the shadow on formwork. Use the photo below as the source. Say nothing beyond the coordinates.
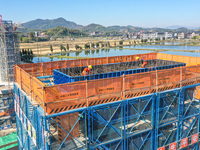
(148, 110)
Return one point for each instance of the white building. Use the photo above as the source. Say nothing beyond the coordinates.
(154, 35)
(181, 35)
(169, 35)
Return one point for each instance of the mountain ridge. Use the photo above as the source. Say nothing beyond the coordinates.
(47, 24)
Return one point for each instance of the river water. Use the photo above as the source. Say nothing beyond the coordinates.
(120, 52)
(189, 48)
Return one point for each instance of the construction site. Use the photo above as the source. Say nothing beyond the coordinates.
(119, 106)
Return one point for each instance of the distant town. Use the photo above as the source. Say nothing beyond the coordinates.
(162, 35)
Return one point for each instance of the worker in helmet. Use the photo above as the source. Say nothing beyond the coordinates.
(144, 64)
(137, 58)
(87, 71)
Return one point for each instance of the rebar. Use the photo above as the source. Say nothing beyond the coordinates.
(97, 69)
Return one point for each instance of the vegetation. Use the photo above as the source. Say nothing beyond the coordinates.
(97, 45)
(51, 48)
(157, 39)
(67, 47)
(47, 24)
(121, 42)
(40, 24)
(62, 48)
(62, 31)
(78, 47)
(108, 44)
(195, 37)
(92, 45)
(25, 40)
(31, 38)
(26, 55)
(145, 40)
(87, 46)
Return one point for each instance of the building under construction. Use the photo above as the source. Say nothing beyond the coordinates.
(119, 106)
(9, 56)
(9, 50)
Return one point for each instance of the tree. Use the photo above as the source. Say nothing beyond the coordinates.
(120, 42)
(76, 47)
(145, 40)
(51, 48)
(31, 52)
(97, 45)
(21, 36)
(62, 48)
(25, 52)
(22, 51)
(102, 45)
(67, 47)
(157, 39)
(28, 53)
(25, 40)
(31, 35)
(92, 45)
(142, 40)
(115, 43)
(194, 37)
(87, 46)
(108, 44)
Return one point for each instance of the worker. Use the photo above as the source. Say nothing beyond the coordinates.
(144, 64)
(137, 58)
(87, 71)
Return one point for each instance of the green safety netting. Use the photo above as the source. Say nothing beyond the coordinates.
(8, 139)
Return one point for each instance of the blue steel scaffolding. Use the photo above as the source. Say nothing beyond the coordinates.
(141, 123)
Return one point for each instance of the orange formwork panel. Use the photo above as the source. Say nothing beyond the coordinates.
(37, 90)
(26, 79)
(65, 92)
(197, 92)
(64, 105)
(104, 98)
(187, 59)
(18, 75)
(139, 80)
(109, 85)
(67, 122)
(104, 91)
(75, 95)
(46, 68)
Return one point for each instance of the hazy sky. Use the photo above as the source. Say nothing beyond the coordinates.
(144, 13)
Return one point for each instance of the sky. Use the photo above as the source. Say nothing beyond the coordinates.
(142, 13)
